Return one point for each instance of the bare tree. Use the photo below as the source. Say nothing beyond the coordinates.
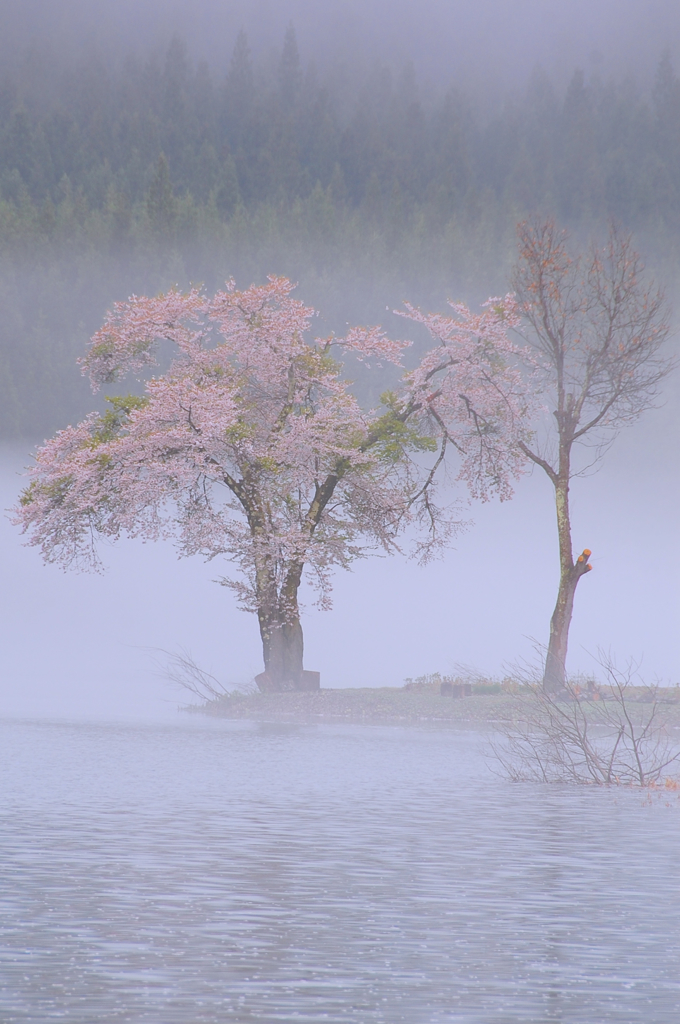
(614, 735)
(597, 329)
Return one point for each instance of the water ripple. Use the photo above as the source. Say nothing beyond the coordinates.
(223, 871)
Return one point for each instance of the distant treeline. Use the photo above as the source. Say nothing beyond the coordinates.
(129, 179)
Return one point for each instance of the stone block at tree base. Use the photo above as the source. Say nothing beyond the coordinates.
(310, 681)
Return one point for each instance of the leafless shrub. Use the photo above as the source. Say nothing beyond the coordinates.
(613, 734)
(181, 668)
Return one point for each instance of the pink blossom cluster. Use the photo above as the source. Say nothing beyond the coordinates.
(253, 447)
(229, 450)
(471, 389)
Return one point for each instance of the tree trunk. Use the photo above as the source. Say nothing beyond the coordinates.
(554, 675)
(282, 647)
(282, 640)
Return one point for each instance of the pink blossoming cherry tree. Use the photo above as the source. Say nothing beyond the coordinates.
(252, 447)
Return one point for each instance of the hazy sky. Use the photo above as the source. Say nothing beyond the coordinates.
(477, 43)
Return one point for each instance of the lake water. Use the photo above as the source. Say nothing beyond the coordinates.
(212, 871)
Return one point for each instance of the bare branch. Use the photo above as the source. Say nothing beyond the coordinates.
(590, 735)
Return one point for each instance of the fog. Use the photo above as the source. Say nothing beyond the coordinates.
(172, 867)
(92, 646)
(482, 44)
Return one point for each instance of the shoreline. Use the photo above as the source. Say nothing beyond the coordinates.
(378, 706)
(362, 705)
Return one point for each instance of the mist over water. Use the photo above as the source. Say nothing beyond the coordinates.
(226, 871)
(89, 645)
(175, 869)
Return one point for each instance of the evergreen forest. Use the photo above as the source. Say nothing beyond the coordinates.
(133, 176)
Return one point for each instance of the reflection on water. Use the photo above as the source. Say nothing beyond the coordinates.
(220, 871)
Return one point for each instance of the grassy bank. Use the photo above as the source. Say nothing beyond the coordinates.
(390, 706)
